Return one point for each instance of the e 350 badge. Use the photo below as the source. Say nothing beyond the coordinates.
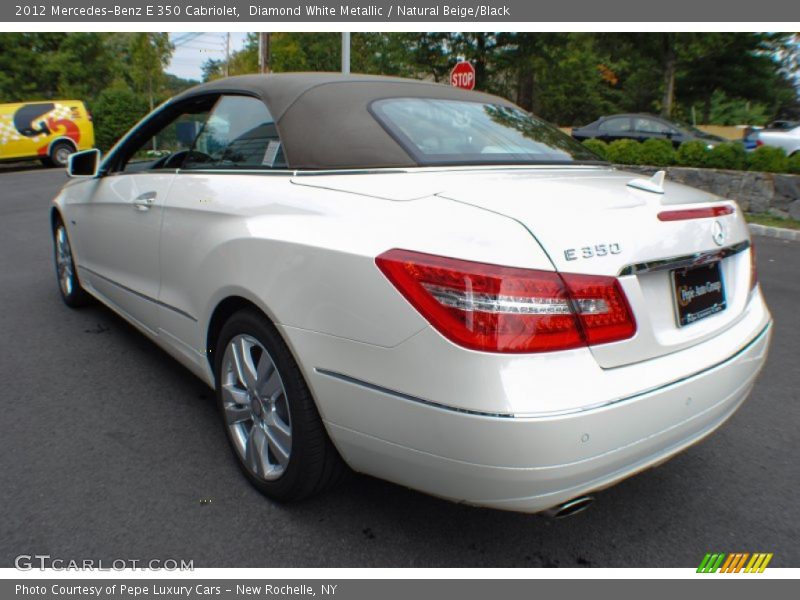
(592, 251)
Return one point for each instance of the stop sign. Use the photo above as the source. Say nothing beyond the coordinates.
(463, 75)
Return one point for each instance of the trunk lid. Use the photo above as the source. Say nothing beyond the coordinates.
(591, 221)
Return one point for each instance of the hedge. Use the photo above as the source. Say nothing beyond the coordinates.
(794, 163)
(599, 147)
(659, 153)
(696, 153)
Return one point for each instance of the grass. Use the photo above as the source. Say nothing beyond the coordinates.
(771, 221)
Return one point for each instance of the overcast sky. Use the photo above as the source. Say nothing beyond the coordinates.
(193, 49)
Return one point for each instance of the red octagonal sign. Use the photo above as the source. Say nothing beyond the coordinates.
(463, 75)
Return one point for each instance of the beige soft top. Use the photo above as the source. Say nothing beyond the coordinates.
(324, 119)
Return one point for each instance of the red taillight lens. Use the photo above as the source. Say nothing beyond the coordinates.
(695, 213)
(505, 309)
(602, 309)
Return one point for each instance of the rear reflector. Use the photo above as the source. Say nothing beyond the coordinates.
(695, 213)
(506, 309)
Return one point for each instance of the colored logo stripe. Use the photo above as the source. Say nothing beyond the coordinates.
(734, 563)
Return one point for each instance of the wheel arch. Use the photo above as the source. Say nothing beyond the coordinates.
(58, 140)
(223, 311)
(55, 217)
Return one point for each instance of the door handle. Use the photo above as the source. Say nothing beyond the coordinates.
(144, 201)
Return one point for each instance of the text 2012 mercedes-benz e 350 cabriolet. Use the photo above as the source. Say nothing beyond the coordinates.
(429, 285)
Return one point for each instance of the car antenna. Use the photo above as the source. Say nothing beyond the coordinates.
(655, 184)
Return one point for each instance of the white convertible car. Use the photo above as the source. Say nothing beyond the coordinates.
(424, 284)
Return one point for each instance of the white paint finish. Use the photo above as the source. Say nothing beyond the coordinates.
(534, 487)
(788, 140)
(120, 240)
(432, 368)
(574, 211)
(302, 248)
(308, 258)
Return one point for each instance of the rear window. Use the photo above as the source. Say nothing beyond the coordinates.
(457, 132)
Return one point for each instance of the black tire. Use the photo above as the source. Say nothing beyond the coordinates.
(69, 285)
(314, 464)
(59, 154)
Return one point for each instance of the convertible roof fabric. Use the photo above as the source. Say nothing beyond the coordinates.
(323, 119)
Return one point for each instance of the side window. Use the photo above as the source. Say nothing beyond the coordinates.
(167, 145)
(617, 125)
(240, 134)
(651, 126)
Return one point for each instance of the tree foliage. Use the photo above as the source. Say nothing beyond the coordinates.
(119, 75)
(116, 110)
(149, 55)
(572, 78)
(567, 78)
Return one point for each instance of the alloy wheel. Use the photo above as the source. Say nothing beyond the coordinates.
(64, 263)
(256, 407)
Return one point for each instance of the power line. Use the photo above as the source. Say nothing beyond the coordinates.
(185, 40)
(179, 39)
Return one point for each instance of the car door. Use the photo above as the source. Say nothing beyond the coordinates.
(645, 128)
(235, 169)
(121, 223)
(615, 128)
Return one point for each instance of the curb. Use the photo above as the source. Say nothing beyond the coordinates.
(775, 232)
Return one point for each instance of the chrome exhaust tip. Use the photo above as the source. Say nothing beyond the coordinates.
(569, 508)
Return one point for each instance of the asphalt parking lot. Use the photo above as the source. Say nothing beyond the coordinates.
(111, 450)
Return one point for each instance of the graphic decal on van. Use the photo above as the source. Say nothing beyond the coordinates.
(39, 121)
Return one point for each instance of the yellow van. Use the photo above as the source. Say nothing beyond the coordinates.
(49, 130)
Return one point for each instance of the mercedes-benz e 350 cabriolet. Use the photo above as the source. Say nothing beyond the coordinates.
(420, 283)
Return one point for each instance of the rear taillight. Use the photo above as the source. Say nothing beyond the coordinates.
(506, 309)
(759, 143)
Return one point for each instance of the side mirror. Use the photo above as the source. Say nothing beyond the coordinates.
(84, 164)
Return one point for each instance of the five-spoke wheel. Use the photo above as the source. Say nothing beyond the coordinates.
(256, 408)
(270, 418)
(68, 283)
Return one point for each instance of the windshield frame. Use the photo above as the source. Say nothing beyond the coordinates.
(444, 160)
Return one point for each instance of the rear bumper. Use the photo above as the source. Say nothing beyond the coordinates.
(531, 464)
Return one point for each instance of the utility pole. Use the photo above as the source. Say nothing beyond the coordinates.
(264, 43)
(227, 54)
(345, 53)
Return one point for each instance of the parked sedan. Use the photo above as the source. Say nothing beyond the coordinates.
(641, 127)
(417, 282)
(786, 135)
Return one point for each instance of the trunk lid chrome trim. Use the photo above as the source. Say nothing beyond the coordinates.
(685, 261)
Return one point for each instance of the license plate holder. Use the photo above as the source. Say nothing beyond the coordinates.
(698, 293)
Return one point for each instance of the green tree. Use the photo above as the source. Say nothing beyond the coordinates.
(26, 72)
(739, 64)
(115, 111)
(568, 78)
(149, 56)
